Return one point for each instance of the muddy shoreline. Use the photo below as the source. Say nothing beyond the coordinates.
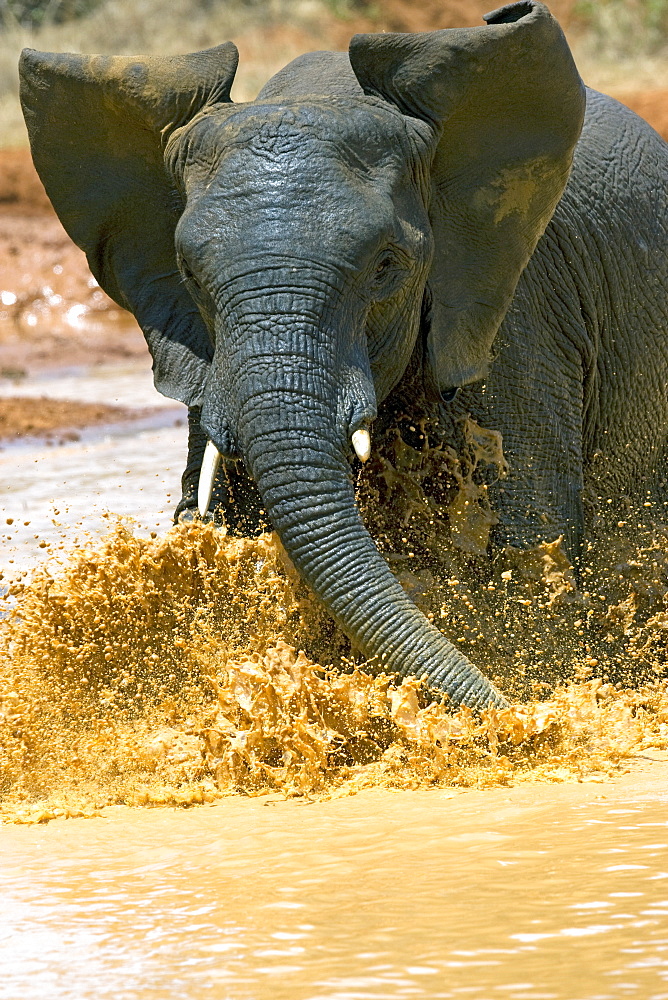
(57, 421)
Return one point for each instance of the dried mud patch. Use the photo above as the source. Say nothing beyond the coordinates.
(175, 670)
(56, 420)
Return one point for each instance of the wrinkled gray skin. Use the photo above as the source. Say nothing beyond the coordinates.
(291, 258)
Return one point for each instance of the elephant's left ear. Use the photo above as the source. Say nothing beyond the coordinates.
(506, 104)
(98, 127)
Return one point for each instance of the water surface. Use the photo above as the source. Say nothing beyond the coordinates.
(534, 892)
(132, 468)
(528, 893)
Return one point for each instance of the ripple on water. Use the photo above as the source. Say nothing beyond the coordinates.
(220, 912)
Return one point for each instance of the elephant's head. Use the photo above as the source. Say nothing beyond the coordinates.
(284, 256)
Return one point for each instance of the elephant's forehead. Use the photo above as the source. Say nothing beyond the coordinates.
(360, 130)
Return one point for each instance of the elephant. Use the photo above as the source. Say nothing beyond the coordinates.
(454, 204)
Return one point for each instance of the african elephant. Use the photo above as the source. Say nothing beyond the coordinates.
(373, 211)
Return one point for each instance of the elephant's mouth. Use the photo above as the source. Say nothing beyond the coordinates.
(360, 441)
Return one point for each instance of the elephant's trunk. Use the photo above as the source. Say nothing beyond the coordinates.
(321, 530)
(284, 413)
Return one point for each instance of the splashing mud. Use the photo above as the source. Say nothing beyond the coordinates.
(179, 669)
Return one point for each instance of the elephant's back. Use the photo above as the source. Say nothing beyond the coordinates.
(620, 168)
(608, 122)
(314, 73)
(608, 245)
(612, 221)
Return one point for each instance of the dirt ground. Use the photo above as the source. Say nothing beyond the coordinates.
(430, 15)
(56, 420)
(53, 314)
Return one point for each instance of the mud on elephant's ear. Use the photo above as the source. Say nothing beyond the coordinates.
(506, 104)
(98, 126)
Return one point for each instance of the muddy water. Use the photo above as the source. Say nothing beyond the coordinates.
(507, 893)
(132, 469)
(337, 849)
(51, 493)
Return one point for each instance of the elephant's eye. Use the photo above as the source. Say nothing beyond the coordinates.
(389, 272)
(384, 265)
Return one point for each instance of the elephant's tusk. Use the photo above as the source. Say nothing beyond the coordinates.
(207, 477)
(362, 444)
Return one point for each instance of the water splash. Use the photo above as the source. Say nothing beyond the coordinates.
(179, 669)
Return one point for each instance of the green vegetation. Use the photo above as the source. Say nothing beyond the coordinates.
(625, 28)
(33, 13)
(351, 8)
(618, 44)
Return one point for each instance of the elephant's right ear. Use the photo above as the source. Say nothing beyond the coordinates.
(98, 127)
(506, 105)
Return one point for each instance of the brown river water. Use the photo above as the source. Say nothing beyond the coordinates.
(205, 794)
(528, 893)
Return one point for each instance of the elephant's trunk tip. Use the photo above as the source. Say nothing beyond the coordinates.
(207, 477)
